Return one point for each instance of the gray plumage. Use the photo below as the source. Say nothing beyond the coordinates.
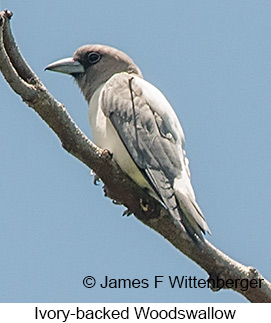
(132, 119)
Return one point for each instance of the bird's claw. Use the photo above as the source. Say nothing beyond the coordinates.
(107, 154)
(144, 205)
(127, 213)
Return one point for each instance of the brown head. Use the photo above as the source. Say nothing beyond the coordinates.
(93, 65)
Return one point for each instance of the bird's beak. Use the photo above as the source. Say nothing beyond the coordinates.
(66, 66)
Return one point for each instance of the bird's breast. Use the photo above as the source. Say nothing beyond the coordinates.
(106, 137)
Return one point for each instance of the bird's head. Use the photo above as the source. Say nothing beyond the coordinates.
(93, 65)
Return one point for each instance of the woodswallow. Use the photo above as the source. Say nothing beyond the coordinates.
(133, 120)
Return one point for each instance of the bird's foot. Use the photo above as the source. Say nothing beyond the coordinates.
(106, 154)
(127, 213)
(144, 205)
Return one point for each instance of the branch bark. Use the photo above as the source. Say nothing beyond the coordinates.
(119, 186)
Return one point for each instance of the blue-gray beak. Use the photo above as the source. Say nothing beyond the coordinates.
(66, 66)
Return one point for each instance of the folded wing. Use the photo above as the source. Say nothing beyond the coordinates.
(152, 134)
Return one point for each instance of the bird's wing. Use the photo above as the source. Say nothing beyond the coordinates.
(152, 134)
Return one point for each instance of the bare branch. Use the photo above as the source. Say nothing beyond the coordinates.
(119, 186)
(8, 69)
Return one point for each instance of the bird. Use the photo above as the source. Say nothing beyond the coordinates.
(134, 121)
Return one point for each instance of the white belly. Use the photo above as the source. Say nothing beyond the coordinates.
(105, 136)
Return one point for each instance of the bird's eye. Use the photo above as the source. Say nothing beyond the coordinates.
(94, 57)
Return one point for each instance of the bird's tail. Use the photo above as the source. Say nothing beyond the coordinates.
(192, 217)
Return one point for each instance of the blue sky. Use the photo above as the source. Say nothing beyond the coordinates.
(212, 61)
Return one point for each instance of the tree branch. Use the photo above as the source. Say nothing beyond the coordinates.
(119, 186)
